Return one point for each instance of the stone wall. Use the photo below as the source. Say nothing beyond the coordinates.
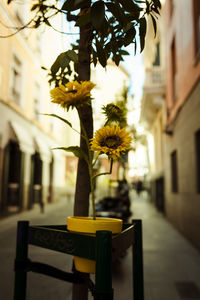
(183, 207)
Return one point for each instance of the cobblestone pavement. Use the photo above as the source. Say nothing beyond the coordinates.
(171, 264)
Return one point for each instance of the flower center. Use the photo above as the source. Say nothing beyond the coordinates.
(111, 141)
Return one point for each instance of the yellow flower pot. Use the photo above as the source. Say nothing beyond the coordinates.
(90, 226)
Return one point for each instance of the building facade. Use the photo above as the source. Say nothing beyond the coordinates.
(182, 160)
(170, 111)
(30, 172)
(153, 111)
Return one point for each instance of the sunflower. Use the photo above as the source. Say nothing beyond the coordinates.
(112, 112)
(72, 94)
(112, 141)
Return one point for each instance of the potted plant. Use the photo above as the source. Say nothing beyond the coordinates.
(106, 28)
(111, 140)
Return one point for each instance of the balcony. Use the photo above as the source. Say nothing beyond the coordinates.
(154, 82)
(153, 94)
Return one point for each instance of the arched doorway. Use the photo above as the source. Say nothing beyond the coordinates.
(13, 178)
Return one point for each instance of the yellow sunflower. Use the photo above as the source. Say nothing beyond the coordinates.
(72, 94)
(111, 140)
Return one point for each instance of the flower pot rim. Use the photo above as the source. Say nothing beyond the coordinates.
(89, 225)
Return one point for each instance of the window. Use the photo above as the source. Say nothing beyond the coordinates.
(196, 7)
(174, 172)
(16, 78)
(174, 70)
(157, 58)
(36, 102)
(197, 148)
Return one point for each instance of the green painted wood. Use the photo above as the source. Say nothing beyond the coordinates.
(138, 280)
(63, 241)
(57, 227)
(21, 257)
(125, 226)
(103, 276)
(121, 242)
(101, 248)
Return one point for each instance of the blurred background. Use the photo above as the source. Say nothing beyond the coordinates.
(160, 175)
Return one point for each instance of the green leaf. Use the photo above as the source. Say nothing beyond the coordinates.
(76, 150)
(130, 6)
(101, 54)
(60, 118)
(128, 26)
(104, 27)
(117, 59)
(77, 2)
(84, 19)
(68, 5)
(72, 55)
(129, 37)
(116, 11)
(94, 57)
(142, 32)
(154, 25)
(81, 3)
(157, 3)
(143, 26)
(123, 52)
(56, 65)
(134, 15)
(155, 9)
(97, 14)
(71, 5)
(63, 60)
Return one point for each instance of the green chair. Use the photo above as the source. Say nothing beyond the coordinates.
(103, 248)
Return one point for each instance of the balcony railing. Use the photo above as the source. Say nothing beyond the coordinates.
(153, 94)
(154, 77)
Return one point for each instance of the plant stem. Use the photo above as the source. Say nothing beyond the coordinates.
(105, 173)
(93, 197)
(95, 160)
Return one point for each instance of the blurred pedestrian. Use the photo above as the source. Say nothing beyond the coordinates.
(139, 187)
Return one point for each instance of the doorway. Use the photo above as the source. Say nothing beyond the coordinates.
(160, 197)
(36, 181)
(13, 178)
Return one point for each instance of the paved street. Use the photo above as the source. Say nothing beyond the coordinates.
(171, 264)
(39, 286)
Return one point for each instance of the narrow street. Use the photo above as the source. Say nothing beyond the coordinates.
(171, 264)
